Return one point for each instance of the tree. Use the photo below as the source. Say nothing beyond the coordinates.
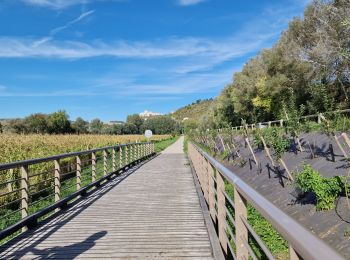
(112, 129)
(37, 123)
(136, 120)
(1, 130)
(96, 126)
(15, 126)
(80, 126)
(162, 125)
(311, 59)
(58, 123)
(129, 128)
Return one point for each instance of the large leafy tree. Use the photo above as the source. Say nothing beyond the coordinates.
(161, 125)
(80, 126)
(136, 120)
(311, 60)
(96, 126)
(58, 123)
(37, 123)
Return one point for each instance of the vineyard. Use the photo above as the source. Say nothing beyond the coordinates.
(302, 166)
(23, 147)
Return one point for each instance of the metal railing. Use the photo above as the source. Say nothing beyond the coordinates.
(230, 214)
(32, 189)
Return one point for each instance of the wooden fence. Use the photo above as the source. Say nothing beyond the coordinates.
(230, 215)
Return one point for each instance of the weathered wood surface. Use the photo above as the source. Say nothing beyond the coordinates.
(152, 213)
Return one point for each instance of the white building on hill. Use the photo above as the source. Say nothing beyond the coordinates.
(147, 113)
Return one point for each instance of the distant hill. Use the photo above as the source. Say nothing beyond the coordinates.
(193, 111)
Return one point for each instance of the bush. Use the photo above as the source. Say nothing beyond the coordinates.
(326, 190)
(278, 141)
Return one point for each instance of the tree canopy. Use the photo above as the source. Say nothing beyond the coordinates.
(308, 67)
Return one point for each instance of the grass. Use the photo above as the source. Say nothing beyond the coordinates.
(271, 238)
(186, 144)
(162, 145)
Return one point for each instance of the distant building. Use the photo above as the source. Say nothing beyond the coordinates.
(115, 122)
(185, 118)
(147, 113)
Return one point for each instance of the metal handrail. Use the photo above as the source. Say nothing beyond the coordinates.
(301, 240)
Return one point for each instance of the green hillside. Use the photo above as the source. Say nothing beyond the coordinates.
(193, 111)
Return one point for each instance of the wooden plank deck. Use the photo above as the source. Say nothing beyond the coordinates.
(153, 212)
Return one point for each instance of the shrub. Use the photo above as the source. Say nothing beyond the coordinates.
(326, 190)
(278, 141)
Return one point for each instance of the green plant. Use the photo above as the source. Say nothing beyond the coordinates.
(161, 145)
(272, 239)
(186, 144)
(326, 190)
(225, 154)
(256, 138)
(278, 141)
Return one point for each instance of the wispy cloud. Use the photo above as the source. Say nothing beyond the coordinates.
(56, 30)
(61, 4)
(55, 4)
(70, 23)
(221, 49)
(190, 2)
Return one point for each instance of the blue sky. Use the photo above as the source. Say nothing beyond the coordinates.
(111, 58)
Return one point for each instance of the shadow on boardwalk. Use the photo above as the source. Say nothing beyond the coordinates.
(68, 252)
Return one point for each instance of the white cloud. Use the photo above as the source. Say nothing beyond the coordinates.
(220, 49)
(61, 4)
(189, 2)
(70, 23)
(53, 32)
(56, 4)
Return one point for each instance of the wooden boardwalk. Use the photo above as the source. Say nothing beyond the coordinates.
(149, 212)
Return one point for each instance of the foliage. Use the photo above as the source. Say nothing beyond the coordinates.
(15, 126)
(162, 144)
(37, 123)
(193, 111)
(310, 60)
(225, 154)
(257, 133)
(161, 124)
(292, 114)
(272, 239)
(186, 144)
(129, 128)
(58, 123)
(80, 126)
(267, 233)
(136, 120)
(277, 140)
(96, 126)
(325, 189)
